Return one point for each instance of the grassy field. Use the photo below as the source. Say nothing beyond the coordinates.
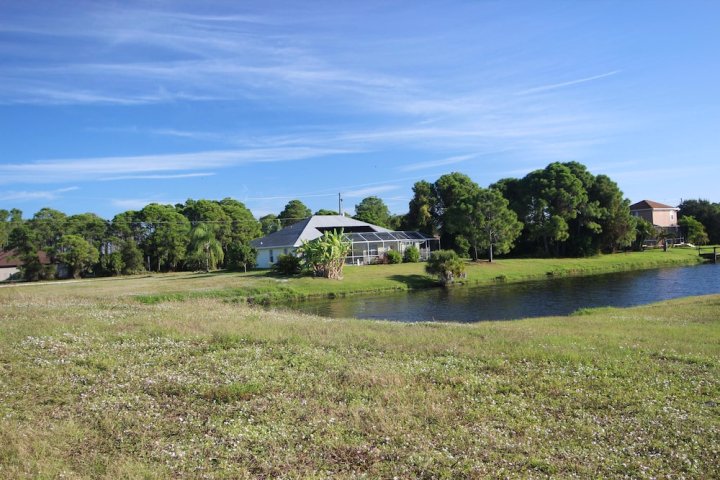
(259, 287)
(94, 384)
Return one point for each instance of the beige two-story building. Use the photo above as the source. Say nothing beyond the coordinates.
(656, 213)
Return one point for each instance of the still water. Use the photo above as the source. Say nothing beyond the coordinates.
(531, 299)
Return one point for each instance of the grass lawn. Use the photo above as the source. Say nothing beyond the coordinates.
(260, 287)
(94, 384)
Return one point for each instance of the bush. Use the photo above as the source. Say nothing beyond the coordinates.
(393, 256)
(412, 254)
(447, 265)
(325, 255)
(287, 265)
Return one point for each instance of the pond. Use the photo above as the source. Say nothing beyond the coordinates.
(559, 296)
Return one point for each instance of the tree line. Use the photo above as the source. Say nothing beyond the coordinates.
(560, 210)
(198, 234)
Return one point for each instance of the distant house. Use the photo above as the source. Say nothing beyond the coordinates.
(663, 217)
(10, 264)
(656, 213)
(369, 242)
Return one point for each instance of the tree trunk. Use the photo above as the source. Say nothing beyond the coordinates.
(491, 253)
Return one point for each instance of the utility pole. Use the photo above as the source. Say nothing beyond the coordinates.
(340, 200)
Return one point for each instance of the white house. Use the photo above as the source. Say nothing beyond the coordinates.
(369, 242)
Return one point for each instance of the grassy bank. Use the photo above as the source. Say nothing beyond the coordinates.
(110, 388)
(259, 287)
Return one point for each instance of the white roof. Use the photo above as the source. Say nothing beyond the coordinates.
(312, 228)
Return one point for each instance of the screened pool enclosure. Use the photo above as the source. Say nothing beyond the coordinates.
(371, 247)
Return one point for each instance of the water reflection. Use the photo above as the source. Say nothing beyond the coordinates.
(541, 298)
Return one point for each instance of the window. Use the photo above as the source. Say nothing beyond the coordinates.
(272, 258)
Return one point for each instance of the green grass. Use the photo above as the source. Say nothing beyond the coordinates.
(260, 287)
(97, 385)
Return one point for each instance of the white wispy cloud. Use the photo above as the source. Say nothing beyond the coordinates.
(554, 86)
(35, 194)
(104, 167)
(366, 192)
(436, 163)
(161, 177)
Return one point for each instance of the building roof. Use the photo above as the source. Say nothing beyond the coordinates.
(649, 205)
(312, 228)
(11, 258)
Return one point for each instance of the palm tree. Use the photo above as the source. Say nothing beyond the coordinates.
(206, 246)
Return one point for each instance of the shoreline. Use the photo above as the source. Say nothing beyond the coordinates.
(381, 279)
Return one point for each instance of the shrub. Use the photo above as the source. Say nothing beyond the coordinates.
(447, 265)
(393, 256)
(325, 255)
(412, 254)
(287, 264)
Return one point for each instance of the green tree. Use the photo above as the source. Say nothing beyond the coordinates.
(128, 226)
(269, 224)
(4, 228)
(113, 263)
(705, 212)
(324, 211)
(293, 212)
(48, 225)
(695, 231)
(132, 258)
(89, 226)
(77, 253)
(498, 225)
(166, 235)
(453, 193)
(483, 221)
(210, 213)
(325, 255)
(584, 228)
(241, 256)
(445, 264)
(205, 248)
(396, 222)
(556, 196)
(617, 225)
(644, 230)
(420, 215)
(373, 210)
(243, 225)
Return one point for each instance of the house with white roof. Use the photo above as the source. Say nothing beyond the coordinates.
(369, 242)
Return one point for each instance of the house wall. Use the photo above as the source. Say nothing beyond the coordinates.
(665, 218)
(267, 257)
(6, 272)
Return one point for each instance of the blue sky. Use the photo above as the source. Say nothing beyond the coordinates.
(108, 106)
